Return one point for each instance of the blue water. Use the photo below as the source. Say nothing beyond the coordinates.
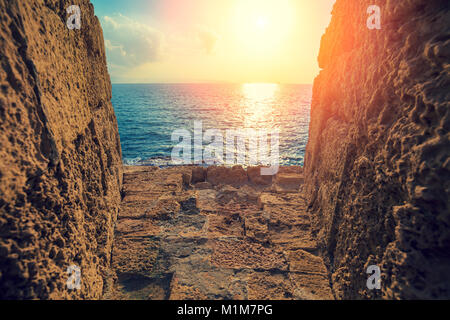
(147, 115)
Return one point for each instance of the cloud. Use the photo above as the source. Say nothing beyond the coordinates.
(208, 39)
(130, 43)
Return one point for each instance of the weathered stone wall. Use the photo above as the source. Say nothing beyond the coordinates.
(378, 159)
(60, 156)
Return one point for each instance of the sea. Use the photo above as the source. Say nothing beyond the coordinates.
(149, 114)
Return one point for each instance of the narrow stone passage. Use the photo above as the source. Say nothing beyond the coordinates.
(192, 233)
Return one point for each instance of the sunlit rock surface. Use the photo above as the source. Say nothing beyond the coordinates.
(378, 157)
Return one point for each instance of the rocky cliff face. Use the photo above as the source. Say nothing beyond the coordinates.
(60, 156)
(378, 160)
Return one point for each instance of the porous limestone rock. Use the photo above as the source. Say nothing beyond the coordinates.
(235, 176)
(377, 172)
(289, 181)
(60, 156)
(198, 175)
(206, 199)
(215, 244)
(255, 177)
(203, 185)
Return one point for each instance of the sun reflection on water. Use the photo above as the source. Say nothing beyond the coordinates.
(259, 92)
(259, 99)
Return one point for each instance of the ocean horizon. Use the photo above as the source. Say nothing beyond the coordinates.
(147, 115)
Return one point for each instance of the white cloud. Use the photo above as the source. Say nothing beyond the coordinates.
(130, 43)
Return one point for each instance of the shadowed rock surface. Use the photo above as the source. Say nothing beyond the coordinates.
(378, 157)
(60, 157)
(176, 241)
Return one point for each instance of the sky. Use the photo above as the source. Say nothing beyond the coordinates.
(198, 41)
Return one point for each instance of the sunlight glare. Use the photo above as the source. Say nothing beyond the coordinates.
(259, 92)
(258, 101)
(262, 22)
(261, 27)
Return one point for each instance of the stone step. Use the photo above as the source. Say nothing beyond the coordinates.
(173, 241)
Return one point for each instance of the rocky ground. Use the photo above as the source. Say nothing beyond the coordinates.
(216, 233)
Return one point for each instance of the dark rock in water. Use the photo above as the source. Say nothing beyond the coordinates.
(60, 156)
(377, 161)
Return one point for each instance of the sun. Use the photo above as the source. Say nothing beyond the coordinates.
(260, 27)
(261, 22)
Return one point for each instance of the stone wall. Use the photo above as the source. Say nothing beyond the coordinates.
(378, 159)
(60, 156)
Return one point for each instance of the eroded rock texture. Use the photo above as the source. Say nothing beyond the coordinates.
(378, 158)
(179, 237)
(59, 151)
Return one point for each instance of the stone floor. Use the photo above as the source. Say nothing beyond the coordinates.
(182, 234)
